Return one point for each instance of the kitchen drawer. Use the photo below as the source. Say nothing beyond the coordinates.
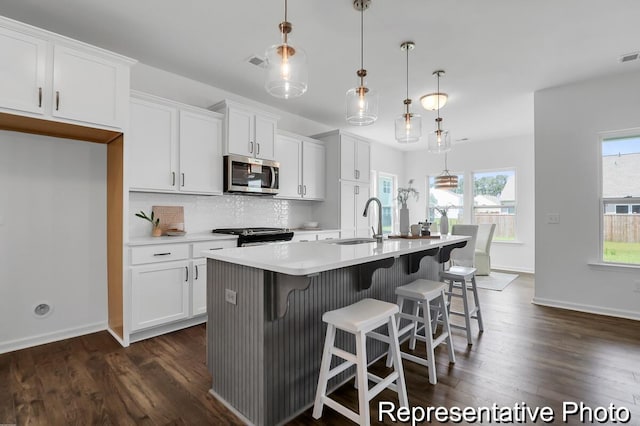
(199, 247)
(159, 253)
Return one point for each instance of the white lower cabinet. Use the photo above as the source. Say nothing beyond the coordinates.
(169, 286)
(353, 197)
(159, 294)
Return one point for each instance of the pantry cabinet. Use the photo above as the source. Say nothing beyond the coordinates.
(247, 131)
(48, 76)
(302, 167)
(174, 147)
(347, 186)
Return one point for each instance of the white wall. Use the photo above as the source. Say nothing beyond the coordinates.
(513, 152)
(52, 238)
(567, 122)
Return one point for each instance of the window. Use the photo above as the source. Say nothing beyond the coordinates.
(494, 201)
(385, 188)
(621, 200)
(449, 200)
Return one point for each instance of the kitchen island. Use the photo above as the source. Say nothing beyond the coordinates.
(265, 332)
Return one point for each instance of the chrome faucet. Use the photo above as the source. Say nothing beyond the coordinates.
(378, 235)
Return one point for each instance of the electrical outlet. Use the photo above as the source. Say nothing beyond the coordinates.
(553, 218)
(230, 296)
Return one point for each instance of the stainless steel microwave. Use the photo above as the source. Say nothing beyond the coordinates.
(250, 175)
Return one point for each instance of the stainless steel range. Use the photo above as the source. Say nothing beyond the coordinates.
(256, 236)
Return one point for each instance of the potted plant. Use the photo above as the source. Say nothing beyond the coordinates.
(403, 196)
(156, 231)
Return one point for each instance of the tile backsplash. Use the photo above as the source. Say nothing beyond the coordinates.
(203, 213)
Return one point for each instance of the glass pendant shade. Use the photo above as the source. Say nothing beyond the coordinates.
(408, 128)
(286, 71)
(362, 106)
(439, 141)
(433, 101)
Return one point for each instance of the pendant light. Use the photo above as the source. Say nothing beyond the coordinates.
(408, 125)
(286, 65)
(439, 140)
(362, 102)
(446, 180)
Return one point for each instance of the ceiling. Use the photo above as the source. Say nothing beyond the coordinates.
(496, 53)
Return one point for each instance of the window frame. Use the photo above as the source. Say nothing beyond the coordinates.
(603, 201)
(515, 202)
(395, 220)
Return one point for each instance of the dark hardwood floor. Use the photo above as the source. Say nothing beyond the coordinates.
(536, 355)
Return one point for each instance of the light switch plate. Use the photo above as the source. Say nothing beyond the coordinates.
(553, 218)
(230, 296)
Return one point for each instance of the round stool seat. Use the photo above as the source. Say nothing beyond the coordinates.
(363, 315)
(421, 289)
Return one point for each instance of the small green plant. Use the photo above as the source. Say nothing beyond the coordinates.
(152, 219)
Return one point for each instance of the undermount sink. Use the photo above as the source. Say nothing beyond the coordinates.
(352, 241)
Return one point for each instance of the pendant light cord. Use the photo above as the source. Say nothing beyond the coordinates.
(407, 49)
(285, 10)
(362, 43)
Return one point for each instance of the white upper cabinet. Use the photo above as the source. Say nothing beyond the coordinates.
(247, 131)
(22, 74)
(174, 147)
(355, 162)
(353, 198)
(302, 167)
(44, 75)
(313, 170)
(200, 152)
(86, 87)
(153, 145)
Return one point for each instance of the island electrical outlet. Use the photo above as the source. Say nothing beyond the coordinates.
(230, 296)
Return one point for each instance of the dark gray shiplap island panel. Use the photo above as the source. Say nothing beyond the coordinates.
(267, 370)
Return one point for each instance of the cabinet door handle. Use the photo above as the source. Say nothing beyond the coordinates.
(39, 97)
(186, 268)
(162, 254)
(355, 174)
(57, 100)
(197, 274)
(251, 147)
(357, 189)
(304, 190)
(182, 179)
(300, 189)
(173, 178)
(257, 148)
(216, 248)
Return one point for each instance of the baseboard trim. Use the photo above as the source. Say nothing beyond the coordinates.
(512, 269)
(41, 339)
(230, 408)
(597, 310)
(167, 328)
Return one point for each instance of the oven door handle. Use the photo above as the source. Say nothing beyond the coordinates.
(273, 177)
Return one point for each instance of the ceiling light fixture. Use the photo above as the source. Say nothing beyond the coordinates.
(446, 180)
(436, 100)
(439, 140)
(408, 125)
(286, 65)
(362, 102)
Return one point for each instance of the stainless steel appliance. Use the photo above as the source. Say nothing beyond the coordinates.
(250, 175)
(257, 236)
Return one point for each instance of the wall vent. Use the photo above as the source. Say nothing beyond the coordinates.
(628, 57)
(257, 61)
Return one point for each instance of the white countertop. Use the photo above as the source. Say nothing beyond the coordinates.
(303, 258)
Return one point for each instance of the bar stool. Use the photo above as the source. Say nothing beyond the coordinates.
(463, 278)
(360, 319)
(424, 294)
